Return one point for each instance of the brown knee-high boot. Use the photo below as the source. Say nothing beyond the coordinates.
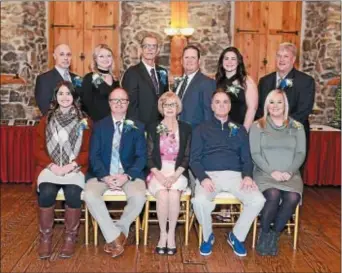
(46, 217)
(72, 222)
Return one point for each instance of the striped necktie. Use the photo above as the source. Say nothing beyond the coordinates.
(115, 160)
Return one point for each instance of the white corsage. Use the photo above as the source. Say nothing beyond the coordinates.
(129, 125)
(233, 129)
(83, 124)
(233, 89)
(162, 129)
(162, 76)
(285, 83)
(97, 80)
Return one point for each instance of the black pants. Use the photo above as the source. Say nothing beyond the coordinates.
(275, 213)
(48, 192)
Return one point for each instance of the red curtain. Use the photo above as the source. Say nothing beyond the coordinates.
(17, 162)
(323, 165)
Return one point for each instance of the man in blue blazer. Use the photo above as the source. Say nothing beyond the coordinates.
(117, 157)
(195, 90)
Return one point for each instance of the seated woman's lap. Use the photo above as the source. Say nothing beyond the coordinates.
(48, 193)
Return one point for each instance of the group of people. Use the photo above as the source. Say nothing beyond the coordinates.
(209, 135)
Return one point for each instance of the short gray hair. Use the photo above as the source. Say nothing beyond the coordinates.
(290, 47)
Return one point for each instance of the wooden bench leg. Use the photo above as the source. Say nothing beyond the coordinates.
(200, 235)
(146, 216)
(86, 224)
(255, 223)
(137, 228)
(187, 216)
(296, 228)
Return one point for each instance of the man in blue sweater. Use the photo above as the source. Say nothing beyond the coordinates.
(221, 161)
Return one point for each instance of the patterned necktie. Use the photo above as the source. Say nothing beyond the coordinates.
(66, 75)
(115, 160)
(154, 81)
(183, 86)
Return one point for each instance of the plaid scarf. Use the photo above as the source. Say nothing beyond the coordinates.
(62, 137)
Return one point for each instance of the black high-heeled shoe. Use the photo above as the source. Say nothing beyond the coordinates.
(161, 250)
(171, 251)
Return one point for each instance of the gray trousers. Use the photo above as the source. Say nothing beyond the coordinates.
(230, 181)
(135, 192)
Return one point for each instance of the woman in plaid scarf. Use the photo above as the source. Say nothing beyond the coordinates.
(62, 138)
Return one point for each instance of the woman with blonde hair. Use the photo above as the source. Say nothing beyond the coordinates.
(97, 84)
(278, 150)
(168, 146)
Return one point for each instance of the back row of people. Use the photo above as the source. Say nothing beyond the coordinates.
(147, 81)
(113, 154)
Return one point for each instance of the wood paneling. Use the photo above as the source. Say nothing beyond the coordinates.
(260, 27)
(83, 25)
(319, 242)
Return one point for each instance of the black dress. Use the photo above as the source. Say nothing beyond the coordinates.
(238, 100)
(95, 98)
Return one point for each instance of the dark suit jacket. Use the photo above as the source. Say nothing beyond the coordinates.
(153, 144)
(301, 95)
(197, 100)
(133, 155)
(143, 103)
(45, 84)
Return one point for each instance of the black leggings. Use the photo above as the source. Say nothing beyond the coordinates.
(275, 213)
(48, 192)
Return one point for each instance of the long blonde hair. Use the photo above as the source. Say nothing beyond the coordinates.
(262, 121)
(97, 49)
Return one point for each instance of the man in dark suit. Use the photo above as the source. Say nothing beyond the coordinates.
(145, 82)
(117, 157)
(299, 87)
(195, 89)
(46, 82)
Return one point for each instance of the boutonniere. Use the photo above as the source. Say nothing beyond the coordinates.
(233, 89)
(97, 80)
(77, 81)
(233, 129)
(285, 83)
(162, 129)
(82, 125)
(129, 125)
(177, 81)
(162, 76)
(297, 124)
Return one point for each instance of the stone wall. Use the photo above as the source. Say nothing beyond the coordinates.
(23, 52)
(210, 20)
(24, 44)
(321, 53)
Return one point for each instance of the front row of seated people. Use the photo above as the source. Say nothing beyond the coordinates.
(220, 154)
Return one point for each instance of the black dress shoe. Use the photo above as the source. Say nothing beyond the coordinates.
(171, 251)
(161, 250)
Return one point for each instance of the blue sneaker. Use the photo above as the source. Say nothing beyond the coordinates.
(206, 247)
(238, 247)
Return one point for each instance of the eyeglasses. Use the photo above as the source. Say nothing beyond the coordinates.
(121, 101)
(149, 46)
(170, 105)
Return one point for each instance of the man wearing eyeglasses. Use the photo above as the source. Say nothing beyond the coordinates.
(117, 159)
(46, 82)
(145, 83)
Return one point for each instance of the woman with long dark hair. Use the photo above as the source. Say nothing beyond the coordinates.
(61, 154)
(232, 77)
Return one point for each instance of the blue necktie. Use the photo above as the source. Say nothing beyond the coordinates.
(115, 160)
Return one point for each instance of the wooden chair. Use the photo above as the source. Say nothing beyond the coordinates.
(185, 198)
(61, 197)
(223, 198)
(115, 196)
(292, 223)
